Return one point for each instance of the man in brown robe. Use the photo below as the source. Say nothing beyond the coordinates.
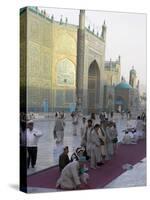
(64, 158)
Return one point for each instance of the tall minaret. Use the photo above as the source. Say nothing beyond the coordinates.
(119, 59)
(80, 60)
(132, 80)
(103, 33)
(138, 85)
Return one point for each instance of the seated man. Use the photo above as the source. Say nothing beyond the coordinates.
(73, 175)
(63, 158)
(127, 139)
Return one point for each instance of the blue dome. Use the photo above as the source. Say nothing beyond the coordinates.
(123, 85)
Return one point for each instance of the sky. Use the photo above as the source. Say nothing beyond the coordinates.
(126, 36)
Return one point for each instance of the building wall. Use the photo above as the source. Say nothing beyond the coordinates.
(134, 101)
(64, 50)
(23, 59)
(112, 76)
(49, 46)
(39, 61)
(125, 95)
(109, 98)
(51, 62)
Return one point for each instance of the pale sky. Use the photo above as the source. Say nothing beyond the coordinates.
(126, 36)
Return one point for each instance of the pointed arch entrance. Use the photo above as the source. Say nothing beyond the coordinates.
(93, 87)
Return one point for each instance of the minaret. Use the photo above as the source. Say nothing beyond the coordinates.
(119, 59)
(110, 64)
(103, 33)
(132, 80)
(82, 20)
(80, 60)
(119, 67)
(138, 85)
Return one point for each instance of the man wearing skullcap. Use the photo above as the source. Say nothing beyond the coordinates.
(33, 136)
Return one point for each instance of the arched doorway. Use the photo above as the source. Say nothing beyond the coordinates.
(93, 87)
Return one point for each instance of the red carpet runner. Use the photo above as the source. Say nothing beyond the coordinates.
(101, 176)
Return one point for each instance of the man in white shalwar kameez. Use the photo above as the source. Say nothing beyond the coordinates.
(32, 138)
(109, 143)
(127, 138)
(95, 147)
(139, 127)
(114, 136)
(59, 128)
(102, 136)
(82, 131)
(70, 177)
(88, 132)
(74, 123)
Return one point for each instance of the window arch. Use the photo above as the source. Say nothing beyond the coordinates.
(65, 73)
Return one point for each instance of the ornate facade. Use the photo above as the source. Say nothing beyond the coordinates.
(65, 64)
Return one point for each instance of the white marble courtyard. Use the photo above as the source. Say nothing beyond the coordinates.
(48, 152)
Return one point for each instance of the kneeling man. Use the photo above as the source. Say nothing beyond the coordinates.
(72, 175)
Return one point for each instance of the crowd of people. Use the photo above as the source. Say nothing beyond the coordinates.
(98, 143)
(134, 133)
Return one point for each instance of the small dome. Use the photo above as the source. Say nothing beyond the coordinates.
(123, 85)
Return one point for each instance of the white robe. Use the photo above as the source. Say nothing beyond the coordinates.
(103, 147)
(82, 132)
(88, 140)
(59, 128)
(74, 125)
(139, 128)
(109, 144)
(70, 178)
(95, 149)
(127, 139)
(33, 137)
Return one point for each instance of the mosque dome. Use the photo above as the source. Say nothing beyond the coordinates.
(123, 85)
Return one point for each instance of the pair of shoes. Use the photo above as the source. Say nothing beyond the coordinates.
(100, 163)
